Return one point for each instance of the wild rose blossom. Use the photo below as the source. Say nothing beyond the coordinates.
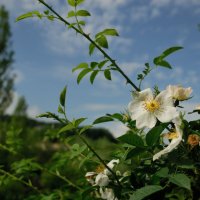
(193, 140)
(146, 109)
(101, 176)
(179, 93)
(176, 138)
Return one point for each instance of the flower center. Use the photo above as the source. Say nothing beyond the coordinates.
(152, 105)
(171, 135)
(100, 169)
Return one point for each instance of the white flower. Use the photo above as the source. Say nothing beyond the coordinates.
(179, 93)
(101, 176)
(175, 137)
(102, 180)
(107, 193)
(90, 177)
(146, 108)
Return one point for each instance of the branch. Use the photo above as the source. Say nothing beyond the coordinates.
(128, 80)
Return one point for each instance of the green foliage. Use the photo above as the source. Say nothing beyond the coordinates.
(63, 96)
(181, 180)
(102, 120)
(75, 3)
(145, 192)
(160, 59)
(31, 14)
(83, 13)
(6, 60)
(132, 138)
(153, 135)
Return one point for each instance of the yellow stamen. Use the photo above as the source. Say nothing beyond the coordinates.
(152, 105)
(100, 169)
(171, 135)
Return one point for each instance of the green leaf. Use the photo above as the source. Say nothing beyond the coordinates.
(60, 109)
(29, 15)
(164, 63)
(102, 120)
(132, 139)
(63, 96)
(81, 23)
(79, 121)
(163, 172)
(93, 75)
(68, 127)
(48, 115)
(107, 74)
(82, 74)
(71, 13)
(181, 180)
(135, 152)
(93, 64)
(159, 60)
(78, 2)
(74, 3)
(91, 48)
(102, 63)
(110, 32)
(170, 50)
(83, 13)
(145, 192)
(117, 116)
(71, 2)
(154, 134)
(80, 66)
(102, 41)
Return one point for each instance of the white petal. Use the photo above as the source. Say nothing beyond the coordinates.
(90, 177)
(111, 164)
(137, 110)
(102, 180)
(146, 119)
(174, 143)
(144, 95)
(166, 114)
(88, 174)
(107, 193)
(164, 98)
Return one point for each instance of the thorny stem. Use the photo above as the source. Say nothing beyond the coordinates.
(20, 180)
(101, 160)
(94, 43)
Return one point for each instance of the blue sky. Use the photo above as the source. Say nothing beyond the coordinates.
(46, 52)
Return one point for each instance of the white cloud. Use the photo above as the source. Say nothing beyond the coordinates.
(116, 128)
(130, 67)
(33, 111)
(189, 107)
(12, 107)
(102, 107)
